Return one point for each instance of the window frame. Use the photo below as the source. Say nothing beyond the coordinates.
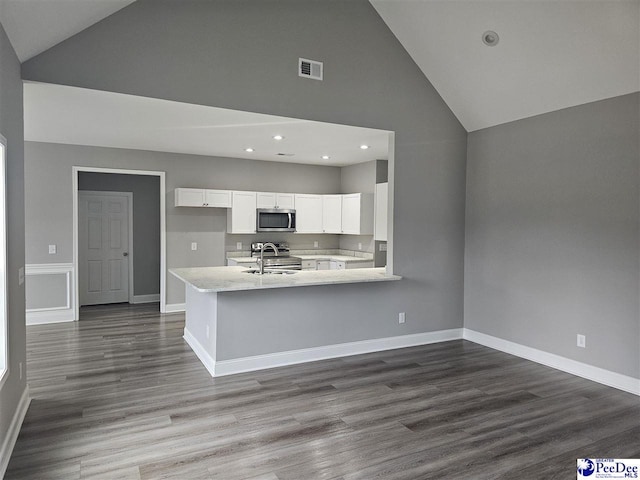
(4, 318)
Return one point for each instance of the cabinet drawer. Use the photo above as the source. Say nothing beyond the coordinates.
(309, 265)
(323, 264)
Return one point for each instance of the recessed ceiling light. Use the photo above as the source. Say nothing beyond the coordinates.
(278, 137)
(364, 147)
(490, 38)
(326, 157)
(249, 150)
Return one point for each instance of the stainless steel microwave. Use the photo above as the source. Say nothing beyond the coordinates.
(275, 220)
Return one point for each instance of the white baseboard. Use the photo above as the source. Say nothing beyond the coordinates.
(175, 307)
(40, 317)
(596, 374)
(151, 298)
(206, 359)
(292, 357)
(14, 429)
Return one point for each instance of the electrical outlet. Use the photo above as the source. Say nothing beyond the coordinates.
(194, 246)
(238, 246)
(52, 249)
(315, 244)
(582, 341)
(401, 317)
(359, 245)
(383, 247)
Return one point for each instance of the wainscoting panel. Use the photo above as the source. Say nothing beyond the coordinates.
(49, 293)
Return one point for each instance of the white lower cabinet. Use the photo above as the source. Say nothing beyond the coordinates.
(309, 265)
(233, 263)
(323, 265)
(242, 217)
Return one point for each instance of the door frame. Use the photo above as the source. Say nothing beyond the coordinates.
(129, 196)
(163, 229)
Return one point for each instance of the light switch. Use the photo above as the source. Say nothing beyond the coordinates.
(20, 275)
(194, 246)
(315, 244)
(238, 246)
(52, 249)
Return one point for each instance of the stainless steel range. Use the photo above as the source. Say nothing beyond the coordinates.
(282, 261)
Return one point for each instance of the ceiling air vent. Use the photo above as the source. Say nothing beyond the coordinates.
(309, 69)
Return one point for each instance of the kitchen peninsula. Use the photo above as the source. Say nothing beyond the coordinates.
(230, 311)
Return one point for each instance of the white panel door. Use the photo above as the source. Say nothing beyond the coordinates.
(242, 218)
(332, 213)
(308, 213)
(266, 200)
(103, 247)
(285, 200)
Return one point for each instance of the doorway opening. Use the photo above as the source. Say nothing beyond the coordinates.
(111, 279)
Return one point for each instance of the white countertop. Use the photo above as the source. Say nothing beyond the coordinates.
(229, 279)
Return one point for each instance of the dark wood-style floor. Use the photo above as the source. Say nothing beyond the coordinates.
(120, 395)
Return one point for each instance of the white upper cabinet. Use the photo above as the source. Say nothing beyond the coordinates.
(189, 197)
(381, 207)
(200, 197)
(218, 198)
(242, 217)
(275, 200)
(357, 214)
(351, 214)
(308, 213)
(332, 213)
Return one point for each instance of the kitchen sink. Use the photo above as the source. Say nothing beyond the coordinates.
(271, 272)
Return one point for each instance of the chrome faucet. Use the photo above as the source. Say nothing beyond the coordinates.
(261, 261)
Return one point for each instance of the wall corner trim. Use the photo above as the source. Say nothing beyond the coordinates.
(14, 430)
(292, 357)
(595, 374)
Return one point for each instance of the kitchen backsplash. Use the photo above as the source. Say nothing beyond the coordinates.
(330, 243)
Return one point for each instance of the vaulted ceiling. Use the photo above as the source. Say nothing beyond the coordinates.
(551, 54)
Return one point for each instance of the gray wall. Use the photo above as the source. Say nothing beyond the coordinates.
(49, 220)
(146, 222)
(11, 127)
(552, 233)
(243, 54)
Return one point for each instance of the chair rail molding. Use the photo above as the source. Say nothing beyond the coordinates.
(53, 310)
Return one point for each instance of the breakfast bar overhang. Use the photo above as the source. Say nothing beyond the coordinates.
(238, 322)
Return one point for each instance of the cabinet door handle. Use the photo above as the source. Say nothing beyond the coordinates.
(125, 254)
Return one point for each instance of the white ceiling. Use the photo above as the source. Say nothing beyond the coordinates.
(552, 54)
(77, 116)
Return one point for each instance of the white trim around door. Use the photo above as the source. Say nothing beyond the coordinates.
(163, 228)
